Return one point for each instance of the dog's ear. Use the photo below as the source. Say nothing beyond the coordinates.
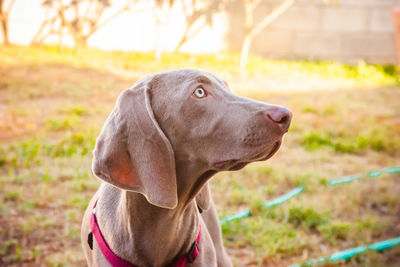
(203, 198)
(133, 153)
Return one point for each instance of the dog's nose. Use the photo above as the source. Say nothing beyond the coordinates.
(279, 115)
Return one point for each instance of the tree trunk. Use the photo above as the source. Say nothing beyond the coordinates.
(80, 41)
(245, 51)
(4, 28)
(249, 7)
(4, 12)
(157, 44)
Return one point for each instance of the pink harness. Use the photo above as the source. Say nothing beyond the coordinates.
(117, 261)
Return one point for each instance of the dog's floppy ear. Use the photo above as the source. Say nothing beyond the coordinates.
(203, 198)
(133, 153)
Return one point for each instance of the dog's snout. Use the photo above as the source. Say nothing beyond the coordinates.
(280, 116)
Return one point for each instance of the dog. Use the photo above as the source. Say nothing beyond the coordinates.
(163, 141)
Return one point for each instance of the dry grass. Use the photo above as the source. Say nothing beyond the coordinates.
(53, 103)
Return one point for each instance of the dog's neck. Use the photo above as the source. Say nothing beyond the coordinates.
(146, 230)
(158, 231)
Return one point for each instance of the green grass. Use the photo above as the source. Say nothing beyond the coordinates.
(376, 139)
(361, 73)
(335, 231)
(53, 102)
(306, 217)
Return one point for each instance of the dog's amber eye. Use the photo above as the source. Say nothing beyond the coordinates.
(200, 93)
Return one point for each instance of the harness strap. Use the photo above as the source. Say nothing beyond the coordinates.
(117, 261)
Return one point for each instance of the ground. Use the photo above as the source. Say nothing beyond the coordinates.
(346, 120)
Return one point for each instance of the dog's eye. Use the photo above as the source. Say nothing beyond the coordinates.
(200, 92)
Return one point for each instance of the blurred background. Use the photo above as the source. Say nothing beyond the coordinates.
(333, 63)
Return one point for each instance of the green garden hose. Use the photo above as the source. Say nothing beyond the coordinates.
(268, 204)
(342, 255)
(281, 199)
(371, 174)
(349, 253)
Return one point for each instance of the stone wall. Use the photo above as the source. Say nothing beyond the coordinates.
(344, 30)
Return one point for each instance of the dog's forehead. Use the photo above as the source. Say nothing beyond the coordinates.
(203, 77)
(180, 81)
(191, 75)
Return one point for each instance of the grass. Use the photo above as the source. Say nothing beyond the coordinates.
(53, 102)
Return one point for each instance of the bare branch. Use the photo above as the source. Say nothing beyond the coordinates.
(194, 15)
(35, 39)
(271, 17)
(109, 19)
(189, 34)
(65, 21)
(252, 31)
(84, 20)
(10, 5)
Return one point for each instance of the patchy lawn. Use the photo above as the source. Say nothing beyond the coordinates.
(346, 120)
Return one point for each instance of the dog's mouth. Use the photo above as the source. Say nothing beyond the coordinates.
(274, 149)
(237, 164)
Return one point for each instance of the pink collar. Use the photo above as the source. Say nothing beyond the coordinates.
(115, 260)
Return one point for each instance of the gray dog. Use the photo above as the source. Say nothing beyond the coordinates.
(166, 137)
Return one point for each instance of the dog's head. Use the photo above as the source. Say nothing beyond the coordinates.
(186, 117)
